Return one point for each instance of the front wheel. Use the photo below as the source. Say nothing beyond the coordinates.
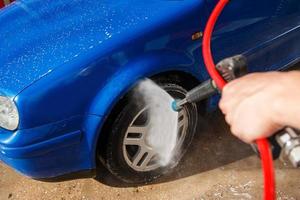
(128, 154)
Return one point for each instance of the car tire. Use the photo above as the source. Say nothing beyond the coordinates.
(119, 158)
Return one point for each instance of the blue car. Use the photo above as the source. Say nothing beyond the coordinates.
(69, 68)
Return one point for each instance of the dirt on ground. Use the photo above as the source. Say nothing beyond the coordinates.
(217, 166)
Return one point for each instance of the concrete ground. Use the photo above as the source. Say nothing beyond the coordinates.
(217, 166)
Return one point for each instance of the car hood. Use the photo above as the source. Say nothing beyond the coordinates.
(38, 36)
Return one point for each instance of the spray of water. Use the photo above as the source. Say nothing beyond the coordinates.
(162, 120)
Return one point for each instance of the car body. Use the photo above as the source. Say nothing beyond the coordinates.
(65, 64)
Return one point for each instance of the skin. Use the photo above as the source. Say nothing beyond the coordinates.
(260, 104)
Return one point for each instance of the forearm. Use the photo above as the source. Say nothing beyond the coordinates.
(287, 104)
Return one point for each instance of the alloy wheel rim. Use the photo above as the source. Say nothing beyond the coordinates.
(138, 154)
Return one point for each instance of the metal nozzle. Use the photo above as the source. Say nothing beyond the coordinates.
(177, 104)
(232, 67)
(229, 68)
(197, 94)
(289, 140)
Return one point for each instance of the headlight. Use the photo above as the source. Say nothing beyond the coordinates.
(9, 116)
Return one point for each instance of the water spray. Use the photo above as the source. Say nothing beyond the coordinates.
(162, 122)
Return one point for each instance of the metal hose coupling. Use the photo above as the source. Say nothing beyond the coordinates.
(289, 141)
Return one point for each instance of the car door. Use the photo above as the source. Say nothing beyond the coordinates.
(266, 31)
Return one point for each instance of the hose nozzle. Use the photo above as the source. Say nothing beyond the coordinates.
(229, 68)
(197, 94)
(177, 104)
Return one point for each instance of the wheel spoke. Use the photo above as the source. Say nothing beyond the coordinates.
(133, 141)
(181, 123)
(147, 159)
(180, 114)
(138, 157)
(137, 129)
(181, 119)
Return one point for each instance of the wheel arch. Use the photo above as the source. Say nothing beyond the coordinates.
(184, 78)
(111, 98)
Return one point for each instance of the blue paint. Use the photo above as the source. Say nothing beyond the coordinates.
(66, 63)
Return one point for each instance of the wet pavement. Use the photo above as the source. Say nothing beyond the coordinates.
(216, 166)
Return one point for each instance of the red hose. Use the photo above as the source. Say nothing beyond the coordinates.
(206, 48)
(263, 144)
(268, 170)
(1, 4)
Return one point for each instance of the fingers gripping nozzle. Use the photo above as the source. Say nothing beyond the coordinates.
(230, 69)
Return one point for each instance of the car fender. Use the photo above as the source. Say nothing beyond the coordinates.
(128, 76)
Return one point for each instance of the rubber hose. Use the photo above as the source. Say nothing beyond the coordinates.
(263, 144)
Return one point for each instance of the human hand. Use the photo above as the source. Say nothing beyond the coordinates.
(260, 104)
